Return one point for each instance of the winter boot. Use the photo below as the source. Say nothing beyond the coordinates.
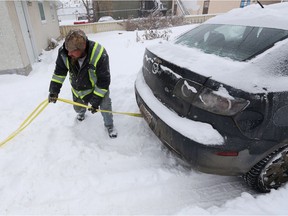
(81, 116)
(112, 132)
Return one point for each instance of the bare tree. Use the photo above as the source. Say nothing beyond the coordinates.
(86, 4)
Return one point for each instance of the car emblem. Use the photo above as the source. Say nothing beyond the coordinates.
(155, 68)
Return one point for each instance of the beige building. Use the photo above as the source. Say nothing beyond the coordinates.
(26, 29)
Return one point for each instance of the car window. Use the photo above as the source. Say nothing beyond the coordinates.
(236, 42)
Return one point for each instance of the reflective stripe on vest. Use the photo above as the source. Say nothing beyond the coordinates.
(58, 79)
(100, 92)
(81, 94)
(95, 56)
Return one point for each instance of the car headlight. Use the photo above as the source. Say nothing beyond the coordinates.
(207, 99)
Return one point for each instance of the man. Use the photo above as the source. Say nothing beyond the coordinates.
(88, 65)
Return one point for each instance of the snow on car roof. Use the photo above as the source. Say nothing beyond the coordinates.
(271, 16)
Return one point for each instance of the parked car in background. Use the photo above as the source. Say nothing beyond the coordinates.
(106, 19)
(218, 95)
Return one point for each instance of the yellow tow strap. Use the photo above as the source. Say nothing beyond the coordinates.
(43, 105)
(27, 121)
(83, 105)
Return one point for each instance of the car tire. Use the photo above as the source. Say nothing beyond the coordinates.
(270, 173)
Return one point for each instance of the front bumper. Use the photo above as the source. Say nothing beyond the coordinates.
(196, 142)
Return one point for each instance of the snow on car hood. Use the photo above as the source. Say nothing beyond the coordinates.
(271, 16)
(255, 76)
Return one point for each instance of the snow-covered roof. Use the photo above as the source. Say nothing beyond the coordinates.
(271, 16)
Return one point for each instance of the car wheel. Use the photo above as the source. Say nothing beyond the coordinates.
(270, 173)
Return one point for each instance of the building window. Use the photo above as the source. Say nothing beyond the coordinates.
(205, 7)
(244, 3)
(41, 10)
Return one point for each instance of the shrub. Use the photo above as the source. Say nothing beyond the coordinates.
(153, 22)
(153, 26)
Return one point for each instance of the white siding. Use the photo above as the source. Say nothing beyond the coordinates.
(23, 36)
(10, 55)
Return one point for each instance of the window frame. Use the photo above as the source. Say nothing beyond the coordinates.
(41, 11)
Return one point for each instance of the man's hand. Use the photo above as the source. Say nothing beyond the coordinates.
(95, 101)
(52, 98)
(92, 109)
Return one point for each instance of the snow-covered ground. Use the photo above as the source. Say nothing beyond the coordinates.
(60, 166)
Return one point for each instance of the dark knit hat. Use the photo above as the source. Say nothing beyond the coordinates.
(75, 40)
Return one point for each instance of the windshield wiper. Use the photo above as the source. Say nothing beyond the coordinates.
(260, 4)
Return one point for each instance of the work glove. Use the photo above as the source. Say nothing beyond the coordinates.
(95, 101)
(92, 109)
(52, 98)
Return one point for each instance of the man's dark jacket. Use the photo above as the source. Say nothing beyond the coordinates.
(79, 77)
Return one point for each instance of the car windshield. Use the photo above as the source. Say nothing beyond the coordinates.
(233, 41)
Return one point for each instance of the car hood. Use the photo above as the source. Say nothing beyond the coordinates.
(254, 76)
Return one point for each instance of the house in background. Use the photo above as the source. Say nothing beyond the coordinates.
(124, 9)
(118, 10)
(26, 29)
(198, 7)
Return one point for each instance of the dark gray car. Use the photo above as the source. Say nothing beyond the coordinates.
(218, 95)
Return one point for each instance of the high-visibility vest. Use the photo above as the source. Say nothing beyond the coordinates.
(95, 56)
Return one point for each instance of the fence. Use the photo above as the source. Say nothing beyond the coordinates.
(94, 27)
(120, 25)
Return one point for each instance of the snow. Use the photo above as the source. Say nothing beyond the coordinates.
(191, 5)
(271, 16)
(60, 166)
(182, 125)
(193, 59)
(106, 19)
